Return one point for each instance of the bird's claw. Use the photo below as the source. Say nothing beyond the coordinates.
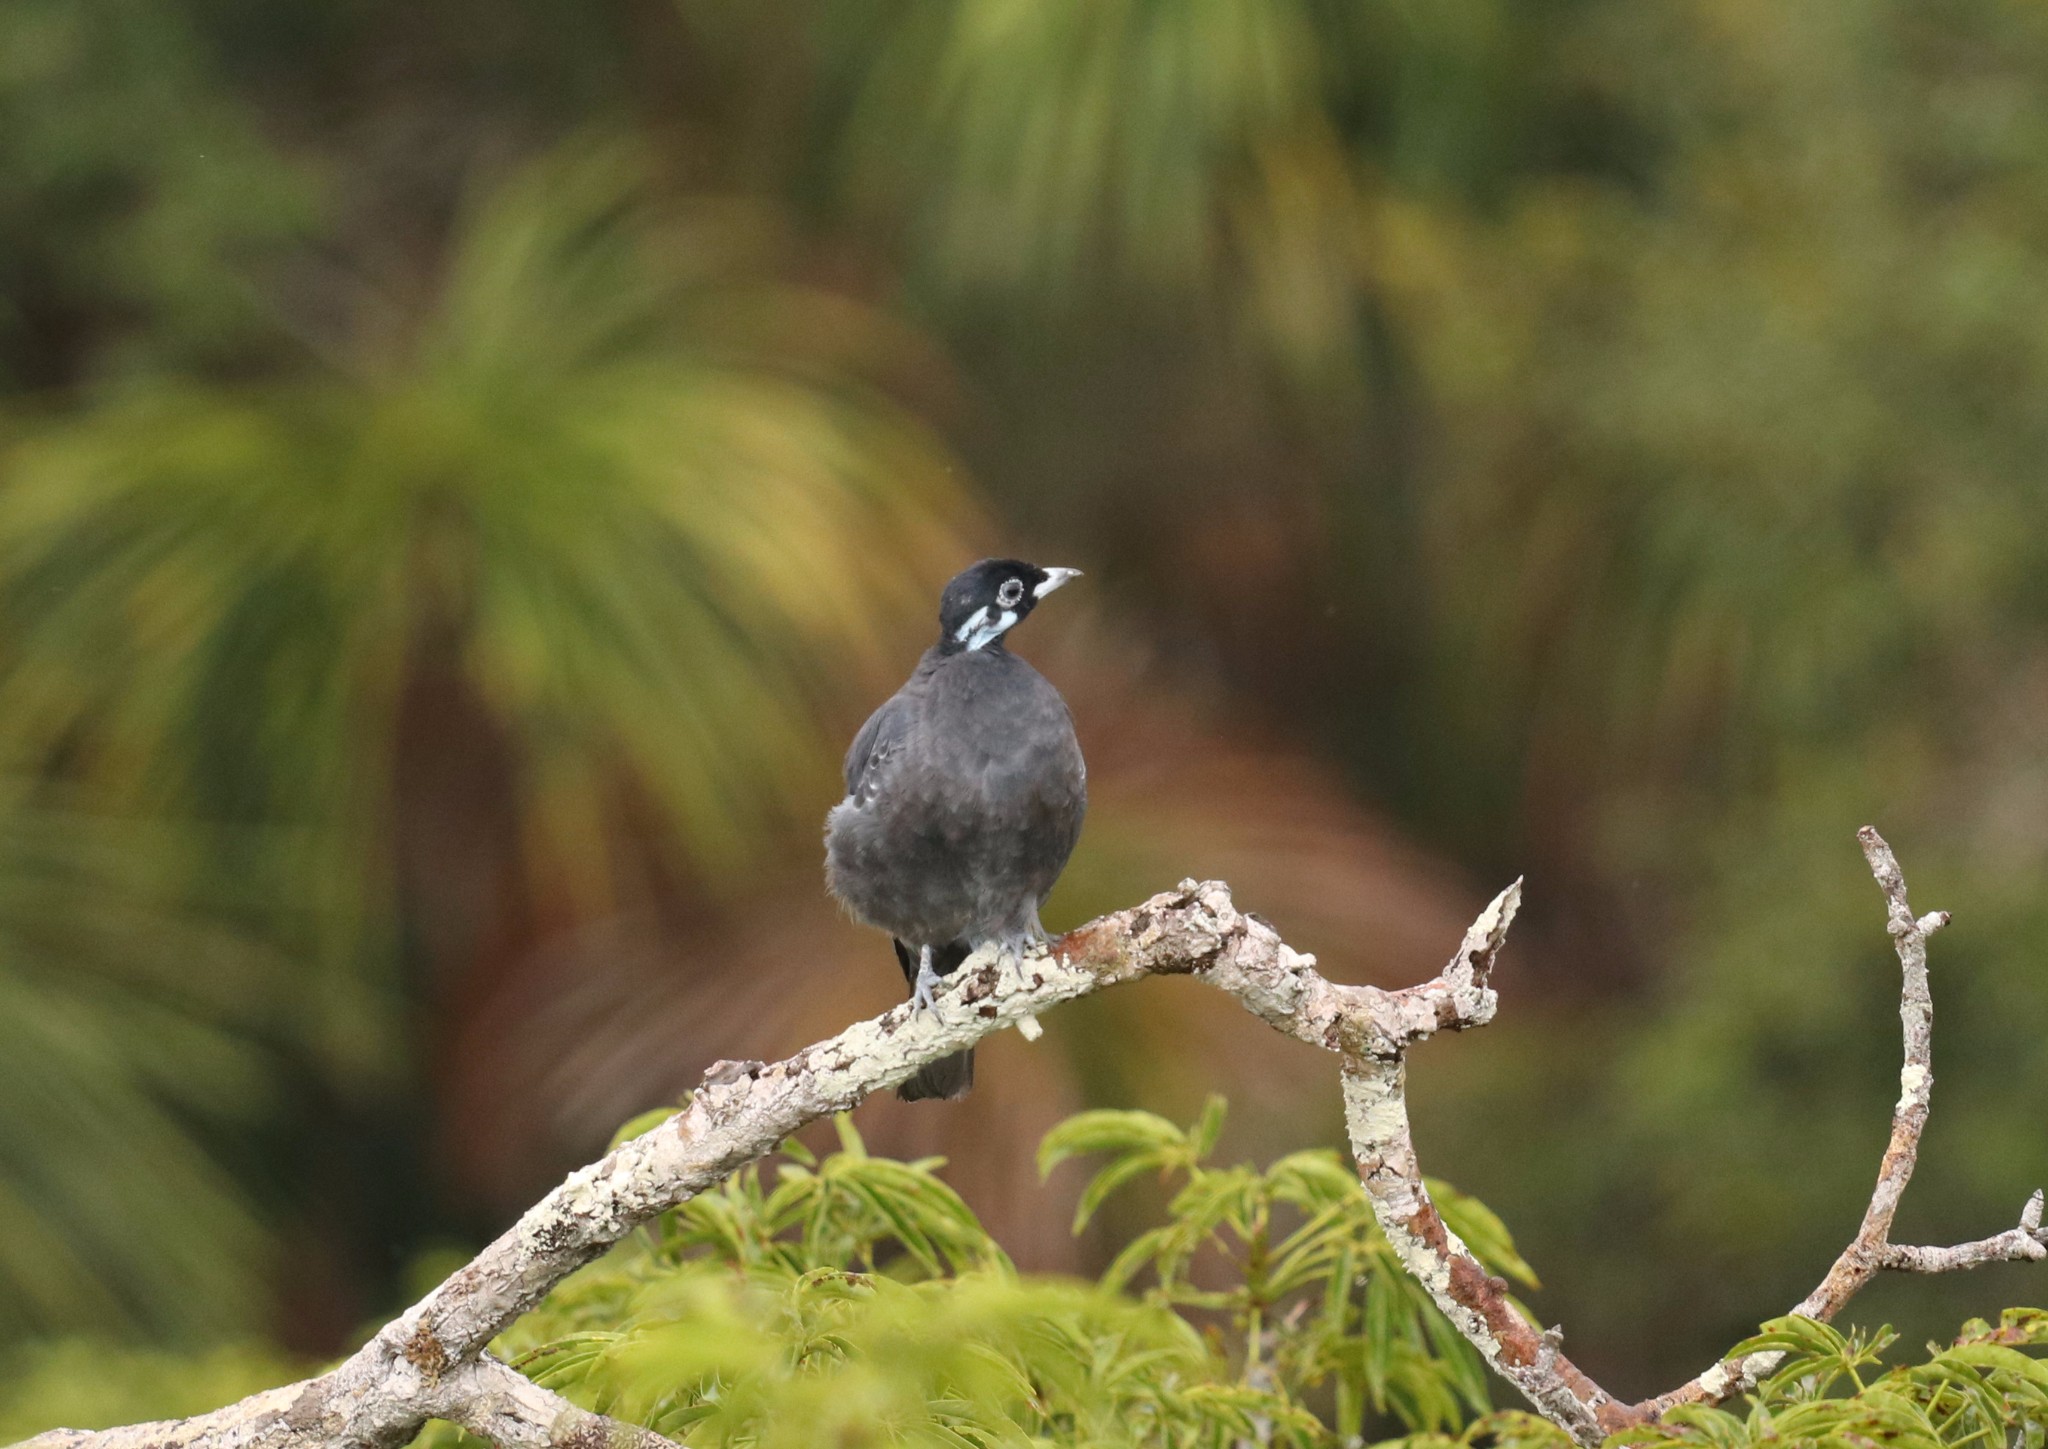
(921, 990)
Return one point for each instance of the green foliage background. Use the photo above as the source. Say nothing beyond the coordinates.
(465, 469)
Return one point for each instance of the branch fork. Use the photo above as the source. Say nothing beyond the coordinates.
(432, 1361)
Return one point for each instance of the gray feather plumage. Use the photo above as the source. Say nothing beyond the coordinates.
(965, 794)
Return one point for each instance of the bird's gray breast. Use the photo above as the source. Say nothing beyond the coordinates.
(971, 808)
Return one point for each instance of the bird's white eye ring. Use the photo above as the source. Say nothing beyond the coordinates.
(1011, 591)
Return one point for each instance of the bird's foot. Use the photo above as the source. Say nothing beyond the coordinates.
(1017, 947)
(927, 982)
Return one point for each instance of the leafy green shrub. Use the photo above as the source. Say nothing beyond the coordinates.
(1832, 1390)
(853, 1300)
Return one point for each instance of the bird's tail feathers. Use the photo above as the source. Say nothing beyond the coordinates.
(942, 1080)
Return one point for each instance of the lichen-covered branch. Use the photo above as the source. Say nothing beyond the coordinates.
(1376, 1111)
(371, 1402)
(1861, 1259)
(1476, 1303)
(431, 1361)
(495, 1401)
(2025, 1243)
(1871, 1251)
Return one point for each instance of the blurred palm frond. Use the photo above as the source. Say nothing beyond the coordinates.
(602, 489)
(1065, 149)
(131, 1030)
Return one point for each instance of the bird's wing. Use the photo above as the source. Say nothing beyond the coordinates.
(879, 740)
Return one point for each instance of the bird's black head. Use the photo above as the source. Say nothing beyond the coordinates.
(986, 601)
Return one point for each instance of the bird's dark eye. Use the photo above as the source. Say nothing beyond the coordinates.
(1011, 591)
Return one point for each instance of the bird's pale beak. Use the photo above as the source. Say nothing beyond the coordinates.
(1053, 579)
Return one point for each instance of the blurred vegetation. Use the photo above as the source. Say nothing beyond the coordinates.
(856, 1299)
(464, 470)
(129, 1009)
(91, 1383)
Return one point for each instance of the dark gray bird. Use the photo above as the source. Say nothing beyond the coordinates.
(964, 797)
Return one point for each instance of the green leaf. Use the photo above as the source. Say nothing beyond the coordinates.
(2007, 1361)
(1107, 1181)
(1142, 1250)
(1315, 1180)
(1106, 1131)
(1208, 1127)
(850, 1144)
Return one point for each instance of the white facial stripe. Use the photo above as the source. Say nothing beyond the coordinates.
(983, 634)
(975, 621)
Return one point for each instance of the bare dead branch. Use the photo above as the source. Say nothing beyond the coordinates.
(2012, 1245)
(503, 1405)
(1476, 1303)
(485, 1396)
(1859, 1261)
(1871, 1251)
(431, 1361)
